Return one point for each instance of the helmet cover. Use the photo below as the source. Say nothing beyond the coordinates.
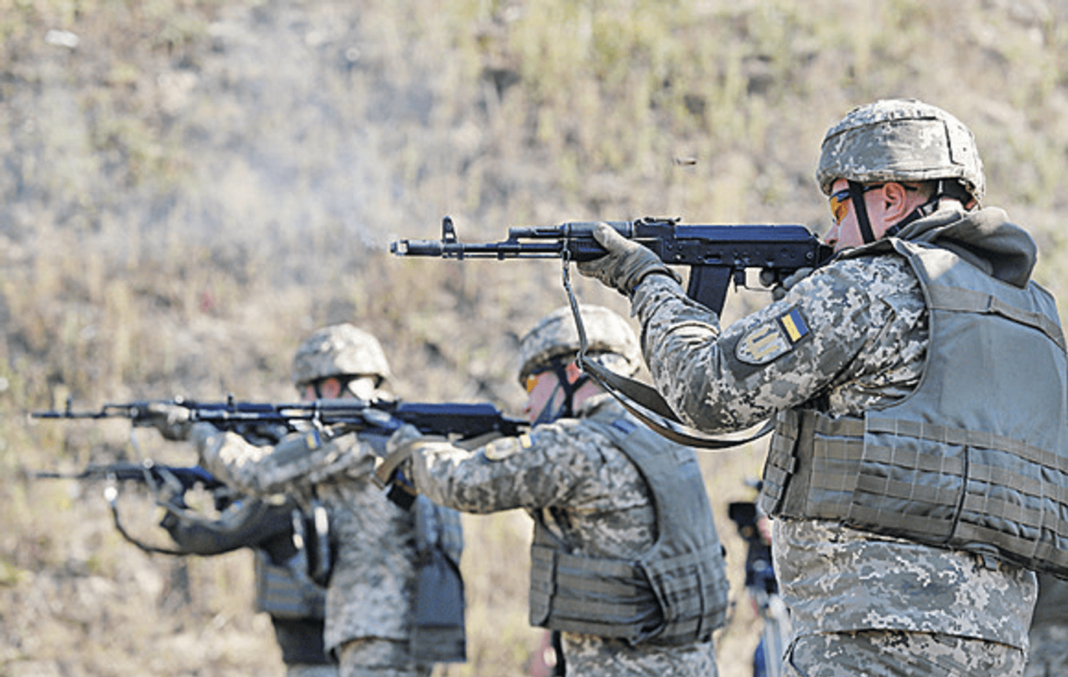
(900, 140)
(556, 337)
(339, 350)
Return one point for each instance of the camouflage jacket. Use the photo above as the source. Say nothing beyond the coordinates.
(371, 589)
(849, 337)
(592, 497)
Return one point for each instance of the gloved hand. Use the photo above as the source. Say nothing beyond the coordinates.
(626, 264)
(779, 291)
(171, 420)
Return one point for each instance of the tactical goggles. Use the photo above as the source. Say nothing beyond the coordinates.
(840, 201)
(531, 381)
(332, 387)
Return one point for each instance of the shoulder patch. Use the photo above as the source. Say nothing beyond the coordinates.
(501, 449)
(772, 339)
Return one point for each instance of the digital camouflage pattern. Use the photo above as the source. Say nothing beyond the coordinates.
(592, 497)
(900, 140)
(305, 670)
(377, 658)
(894, 654)
(590, 655)
(371, 590)
(849, 337)
(556, 336)
(832, 583)
(864, 342)
(336, 350)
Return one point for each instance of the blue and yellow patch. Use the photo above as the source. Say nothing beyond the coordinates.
(312, 440)
(772, 339)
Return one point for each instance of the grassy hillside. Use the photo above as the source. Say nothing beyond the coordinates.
(190, 187)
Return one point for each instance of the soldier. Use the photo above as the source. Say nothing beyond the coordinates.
(918, 385)
(370, 558)
(626, 563)
(284, 590)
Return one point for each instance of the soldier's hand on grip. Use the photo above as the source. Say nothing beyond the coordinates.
(767, 278)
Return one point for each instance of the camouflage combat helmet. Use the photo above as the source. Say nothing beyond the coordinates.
(900, 140)
(556, 337)
(338, 350)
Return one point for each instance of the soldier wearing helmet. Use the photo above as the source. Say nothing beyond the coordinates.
(625, 563)
(371, 553)
(341, 359)
(918, 387)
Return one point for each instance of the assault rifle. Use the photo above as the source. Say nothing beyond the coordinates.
(370, 417)
(374, 420)
(715, 254)
(197, 534)
(168, 484)
(179, 478)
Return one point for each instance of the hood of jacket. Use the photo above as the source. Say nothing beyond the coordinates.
(984, 237)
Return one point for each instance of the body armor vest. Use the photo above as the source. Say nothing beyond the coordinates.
(675, 593)
(296, 606)
(285, 591)
(975, 458)
(438, 631)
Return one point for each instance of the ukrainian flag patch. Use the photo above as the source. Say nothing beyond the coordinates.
(772, 338)
(793, 323)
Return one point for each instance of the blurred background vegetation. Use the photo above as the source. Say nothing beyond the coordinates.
(190, 187)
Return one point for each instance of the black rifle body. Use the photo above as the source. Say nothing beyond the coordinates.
(715, 254)
(377, 417)
(149, 473)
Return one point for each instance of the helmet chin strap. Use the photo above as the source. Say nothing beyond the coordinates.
(943, 189)
(856, 194)
(569, 379)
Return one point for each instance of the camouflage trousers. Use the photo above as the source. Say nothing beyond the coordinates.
(378, 658)
(1049, 652)
(895, 653)
(309, 670)
(592, 656)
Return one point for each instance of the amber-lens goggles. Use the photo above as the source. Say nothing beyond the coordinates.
(531, 381)
(840, 201)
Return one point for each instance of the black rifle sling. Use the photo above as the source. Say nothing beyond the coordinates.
(631, 394)
(643, 401)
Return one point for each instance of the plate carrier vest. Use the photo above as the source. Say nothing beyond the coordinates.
(675, 593)
(974, 459)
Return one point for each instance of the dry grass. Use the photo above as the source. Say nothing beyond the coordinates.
(196, 185)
